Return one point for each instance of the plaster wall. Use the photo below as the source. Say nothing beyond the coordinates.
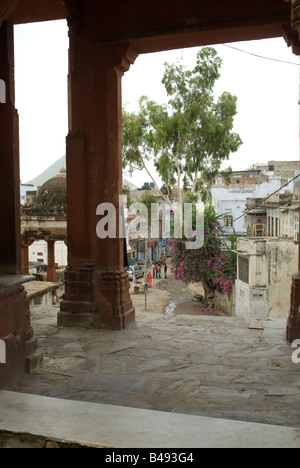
(272, 264)
(40, 247)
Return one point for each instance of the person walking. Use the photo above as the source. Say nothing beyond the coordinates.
(166, 270)
(149, 279)
(158, 271)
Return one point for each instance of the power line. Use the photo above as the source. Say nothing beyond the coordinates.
(261, 56)
(259, 205)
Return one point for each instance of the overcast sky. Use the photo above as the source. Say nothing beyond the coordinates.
(267, 91)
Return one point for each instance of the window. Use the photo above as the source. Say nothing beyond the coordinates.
(228, 221)
(244, 269)
(259, 230)
(258, 297)
(40, 254)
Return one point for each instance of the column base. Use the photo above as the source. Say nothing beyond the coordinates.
(17, 334)
(293, 324)
(97, 299)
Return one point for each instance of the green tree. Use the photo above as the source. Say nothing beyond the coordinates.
(189, 138)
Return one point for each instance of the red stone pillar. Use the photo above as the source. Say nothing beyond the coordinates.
(15, 328)
(293, 323)
(51, 270)
(97, 286)
(10, 236)
(25, 244)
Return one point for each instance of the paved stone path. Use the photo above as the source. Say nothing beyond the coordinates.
(209, 366)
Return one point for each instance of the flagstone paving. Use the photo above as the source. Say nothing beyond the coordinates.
(200, 365)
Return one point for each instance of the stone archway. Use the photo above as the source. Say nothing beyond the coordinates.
(105, 39)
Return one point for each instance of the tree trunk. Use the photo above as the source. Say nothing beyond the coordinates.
(209, 292)
(179, 180)
(195, 182)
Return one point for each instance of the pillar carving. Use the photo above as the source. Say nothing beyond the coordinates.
(97, 286)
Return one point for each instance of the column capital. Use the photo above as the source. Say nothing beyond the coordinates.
(73, 9)
(125, 56)
(291, 38)
(27, 242)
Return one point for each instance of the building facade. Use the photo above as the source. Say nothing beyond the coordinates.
(265, 270)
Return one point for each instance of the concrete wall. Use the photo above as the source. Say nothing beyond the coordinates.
(226, 302)
(272, 263)
(251, 302)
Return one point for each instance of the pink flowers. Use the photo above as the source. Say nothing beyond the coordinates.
(213, 264)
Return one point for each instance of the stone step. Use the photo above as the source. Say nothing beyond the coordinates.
(98, 425)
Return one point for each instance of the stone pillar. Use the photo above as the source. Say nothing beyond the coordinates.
(51, 270)
(25, 244)
(293, 325)
(10, 237)
(97, 286)
(15, 329)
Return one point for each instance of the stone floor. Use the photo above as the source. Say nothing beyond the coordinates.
(199, 365)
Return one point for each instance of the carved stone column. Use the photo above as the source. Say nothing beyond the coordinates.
(51, 270)
(10, 237)
(292, 37)
(25, 244)
(97, 286)
(15, 328)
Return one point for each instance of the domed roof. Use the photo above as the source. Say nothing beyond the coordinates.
(53, 194)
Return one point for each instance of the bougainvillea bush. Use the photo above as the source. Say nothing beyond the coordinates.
(214, 265)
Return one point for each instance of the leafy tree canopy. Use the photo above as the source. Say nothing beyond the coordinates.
(189, 138)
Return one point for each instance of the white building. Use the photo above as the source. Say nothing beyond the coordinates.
(38, 253)
(230, 202)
